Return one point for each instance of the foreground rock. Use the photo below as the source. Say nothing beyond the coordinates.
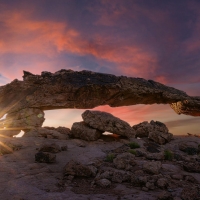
(106, 122)
(87, 174)
(87, 90)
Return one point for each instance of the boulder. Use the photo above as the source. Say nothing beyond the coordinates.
(138, 180)
(106, 122)
(155, 130)
(189, 147)
(190, 193)
(191, 167)
(77, 169)
(160, 137)
(124, 161)
(162, 183)
(160, 133)
(159, 126)
(152, 167)
(120, 176)
(143, 129)
(82, 131)
(42, 157)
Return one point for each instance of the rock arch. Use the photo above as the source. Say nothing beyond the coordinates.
(25, 101)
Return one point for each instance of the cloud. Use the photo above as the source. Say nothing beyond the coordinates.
(131, 38)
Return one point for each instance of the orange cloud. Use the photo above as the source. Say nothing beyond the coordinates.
(25, 35)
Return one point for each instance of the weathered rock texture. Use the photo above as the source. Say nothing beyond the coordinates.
(84, 89)
(82, 131)
(106, 122)
(155, 130)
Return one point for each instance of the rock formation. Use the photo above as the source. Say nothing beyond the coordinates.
(156, 131)
(104, 121)
(24, 101)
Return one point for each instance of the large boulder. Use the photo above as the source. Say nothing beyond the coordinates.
(143, 129)
(160, 133)
(155, 130)
(104, 121)
(82, 131)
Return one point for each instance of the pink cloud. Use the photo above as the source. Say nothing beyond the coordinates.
(24, 35)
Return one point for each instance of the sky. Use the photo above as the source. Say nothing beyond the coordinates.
(157, 40)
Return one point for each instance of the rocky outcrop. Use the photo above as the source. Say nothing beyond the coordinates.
(143, 129)
(84, 89)
(106, 122)
(82, 131)
(155, 130)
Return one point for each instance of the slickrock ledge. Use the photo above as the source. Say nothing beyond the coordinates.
(85, 90)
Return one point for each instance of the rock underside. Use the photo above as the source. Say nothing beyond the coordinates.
(24, 101)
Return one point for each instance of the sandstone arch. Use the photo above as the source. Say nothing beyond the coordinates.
(24, 101)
